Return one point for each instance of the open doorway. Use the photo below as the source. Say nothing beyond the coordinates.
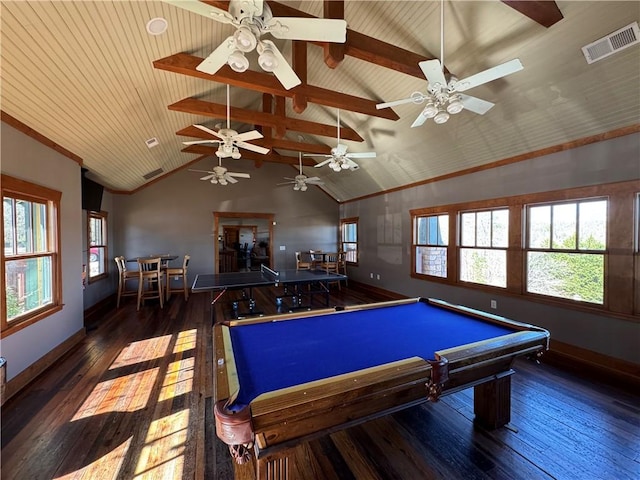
(242, 241)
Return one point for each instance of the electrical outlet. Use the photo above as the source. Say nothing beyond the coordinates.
(371, 275)
(378, 277)
(494, 304)
(282, 247)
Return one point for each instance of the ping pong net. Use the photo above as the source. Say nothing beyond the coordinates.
(270, 274)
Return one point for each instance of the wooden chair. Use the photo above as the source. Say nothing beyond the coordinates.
(178, 272)
(302, 264)
(330, 265)
(124, 275)
(316, 258)
(342, 265)
(150, 277)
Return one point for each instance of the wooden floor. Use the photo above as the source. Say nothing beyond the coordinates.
(134, 400)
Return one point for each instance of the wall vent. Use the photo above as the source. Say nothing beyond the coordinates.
(152, 142)
(155, 173)
(612, 43)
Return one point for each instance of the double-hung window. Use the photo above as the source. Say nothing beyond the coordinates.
(566, 243)
(30, 257)
(97, 243)
(349, 240)
(431, 238)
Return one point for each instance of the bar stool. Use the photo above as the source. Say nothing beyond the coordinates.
(124, 275)
(178, 272)
(150, 280)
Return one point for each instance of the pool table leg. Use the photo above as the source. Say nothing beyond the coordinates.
(274, 467)
(492, 402)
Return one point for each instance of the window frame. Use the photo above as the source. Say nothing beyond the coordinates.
(23, 190)
(446, 244)
(344, 222)
(622, 257)
(102, 216)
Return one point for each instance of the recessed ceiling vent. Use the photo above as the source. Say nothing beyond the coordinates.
(155, 173)
(612, 43)
(152, 142)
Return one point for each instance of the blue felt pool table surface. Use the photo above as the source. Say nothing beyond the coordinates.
(274, 355)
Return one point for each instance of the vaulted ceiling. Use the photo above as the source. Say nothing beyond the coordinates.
(88, 76)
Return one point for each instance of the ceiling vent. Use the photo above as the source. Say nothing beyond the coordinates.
(155, 173)
(152, 142)
(612, 43)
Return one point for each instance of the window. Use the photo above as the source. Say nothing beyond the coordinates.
(430, 244)
(30, 258)
(484, 238)
(565, 251)
(349, 241)
(97, 245)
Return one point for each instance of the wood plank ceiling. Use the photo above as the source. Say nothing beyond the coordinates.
(87, 76)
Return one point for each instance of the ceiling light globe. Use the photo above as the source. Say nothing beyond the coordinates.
(441, 117)
(430, 110)
(219, 153)
(238, 62)
(245, 39)
(267, 60)
(303, 188)
(235, 154)
(296, 187)
(455, 106)
(345, 166)
(223, 182)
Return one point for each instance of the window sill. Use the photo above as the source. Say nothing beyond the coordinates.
(17, 325)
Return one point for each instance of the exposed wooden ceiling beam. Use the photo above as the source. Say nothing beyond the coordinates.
(186, 64)
(546, 13)
(249, 155)
(282, 143)
(216, 110)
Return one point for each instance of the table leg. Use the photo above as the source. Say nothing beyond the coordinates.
(492, 402)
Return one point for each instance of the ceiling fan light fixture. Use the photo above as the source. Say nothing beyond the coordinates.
(303, 188)
(238, 62)
(267, 60)
(245, 39)
(345, 166)
(296, 187)
(430, 110)
(441, 117)
(454, 106)
(235, 154)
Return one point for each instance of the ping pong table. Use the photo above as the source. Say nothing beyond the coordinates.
(292, 282)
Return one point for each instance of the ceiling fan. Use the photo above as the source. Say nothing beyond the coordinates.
(339, 158)
(444, 98)
(252, 19)
(229, 141)
(221, 175)
(301, 181)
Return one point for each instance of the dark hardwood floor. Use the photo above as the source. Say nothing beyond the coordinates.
(134, 400)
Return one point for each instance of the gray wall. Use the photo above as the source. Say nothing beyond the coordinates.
(175, 215)
(24, 158)
(384, 237)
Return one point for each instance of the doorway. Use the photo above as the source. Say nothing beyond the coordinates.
(235, 229)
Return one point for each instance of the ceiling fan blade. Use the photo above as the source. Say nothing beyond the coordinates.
(352, 165)
(489, 75)
(322, 164)
(238, 175)
(432, 69)
(316, 155)
(380, 106)
(248, 136)
(314, 182)
(252, 147)
(242, 9)
(208, 177)
(309, 29)
(286, 183)
(199, 142)
(229, 178)
(475, 105)
(283, 71)
(361, 155)
(419, 121)
(200, 171)
(203, 9)
(312, 179)
(218, 57)
(209, 131)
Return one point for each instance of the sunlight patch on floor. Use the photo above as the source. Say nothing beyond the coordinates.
(186, 341)
(142, 351)
(107, 466)
(163, 453)
(127, 393)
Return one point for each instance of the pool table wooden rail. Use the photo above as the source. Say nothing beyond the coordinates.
(283, 418)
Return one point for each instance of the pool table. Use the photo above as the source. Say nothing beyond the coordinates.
(284, 379)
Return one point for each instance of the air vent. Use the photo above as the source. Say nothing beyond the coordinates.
(152, 142)
(612, 43)
(155, 173)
